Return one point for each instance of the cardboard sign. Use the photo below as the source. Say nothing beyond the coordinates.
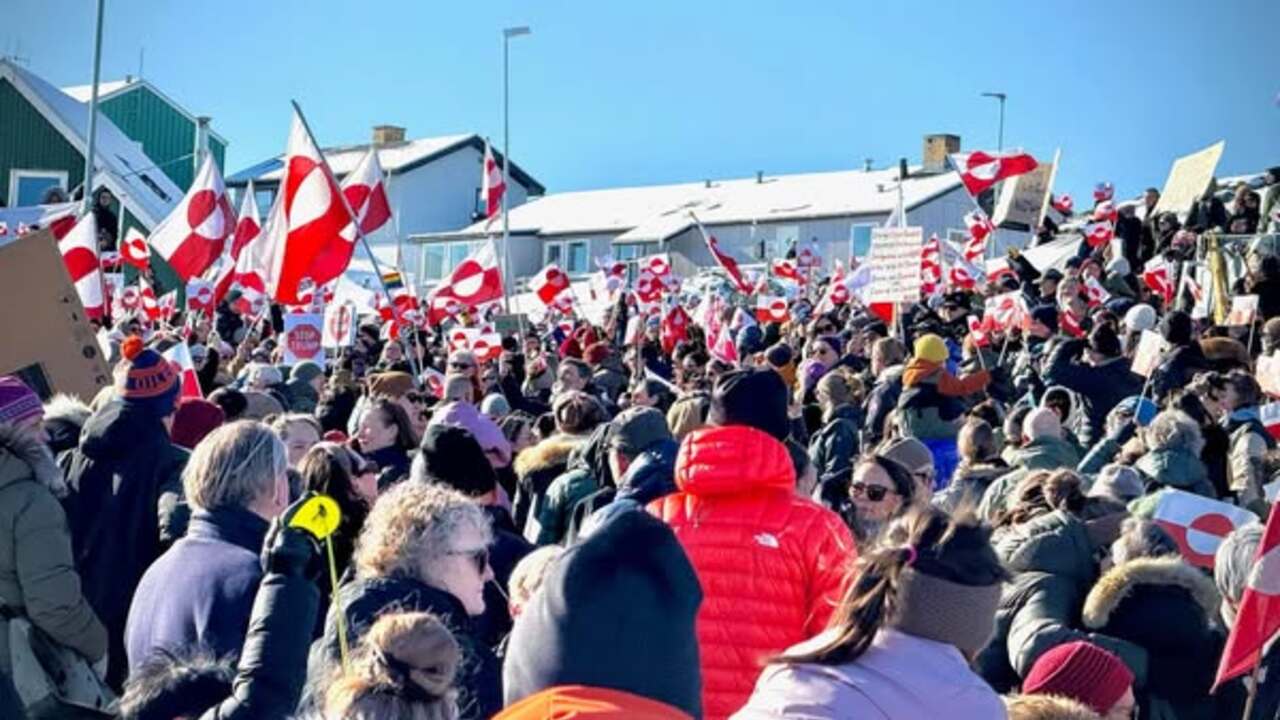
(1268, 374)
(303, 336)
(894, 259)
(1244, 309)
(1188, 179)
(339, 326)
(1022, 198)
(1147, 357)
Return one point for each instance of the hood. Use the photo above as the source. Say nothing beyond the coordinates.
(23, 457)
(1056, 543)
(731, 460)
(1116, 584)
(1046, 453)
(119, 431)
(570, 702)
(845, 412)
(550, 453)
(67, 409)
(592, 456)
(1073, 404)
(920, 371)
(1049, 707)
(651, 475)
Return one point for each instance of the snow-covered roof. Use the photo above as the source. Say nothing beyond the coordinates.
(658, 212)
(394, 158)
(120, 164)
(112, 88)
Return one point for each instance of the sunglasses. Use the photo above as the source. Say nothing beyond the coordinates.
(479, 558)
(874, 493)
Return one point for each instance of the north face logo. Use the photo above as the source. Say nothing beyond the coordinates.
(767, 540)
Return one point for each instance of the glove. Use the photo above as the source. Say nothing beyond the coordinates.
(292, 551)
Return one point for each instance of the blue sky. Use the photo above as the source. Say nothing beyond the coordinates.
(622, 93)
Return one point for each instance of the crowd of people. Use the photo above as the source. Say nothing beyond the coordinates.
(855, 519)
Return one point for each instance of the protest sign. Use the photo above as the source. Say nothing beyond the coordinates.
(1188, 179)
(1023, 198)
(894, 259)
(339, 326)
(1269, 374)
(1244, 308)
(1147, 356)
(303, 336)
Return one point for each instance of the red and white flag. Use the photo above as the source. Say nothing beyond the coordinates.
(1099, 233)
(1097, 294)
(1006, 311)
(200, 295)
(723, 348)
(476, 281)
(674, 328)
(1158, 276)
(724, 260)
(147, 300)
(135, 250)
(167, 304)
(58, 217)
(980, 170)
(1103, 192)
(931, 267)
(1258, 617)
(789, 270)
(660, 267)
(1063, 204)
(179, 356)
(306, 235)
(548, 283)
(192, 236)
(1198, 523)
(980, 229)
(366, 191)
(492, 187)
(1269, 416)
(980, 330)
(1106, 211)
(79, 248)
(772, 309)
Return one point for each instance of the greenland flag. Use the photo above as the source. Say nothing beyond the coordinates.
(476, 281)
(980, 170)
(771, 309)
(1259, 616)
(492, 188)
(724, 260)
(1198, 523)
(191, 238)
(79, 249)
(549, 283)
(135, 250)
(179, 356)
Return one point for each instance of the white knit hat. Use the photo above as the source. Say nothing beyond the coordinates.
(1140, 317)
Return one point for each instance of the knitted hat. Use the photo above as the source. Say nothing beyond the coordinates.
(1176, 328)
(1142, 409)
(1118, 266)
(749, 341)
(930, 348)
(596, 353)
(306, 371)
(611, 617)
(450, 455)
(1041, 422)
(637, 429)
(17, 402)
(150, 382)
(753, 397)
(1046, 315)
(911, 453)
(1140, 317)
(1081, 671)
(194, 419)
(1118, 482)
(779, 354)
(390, 384)
(495, 405)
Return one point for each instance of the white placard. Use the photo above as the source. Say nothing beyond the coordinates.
(894, 260)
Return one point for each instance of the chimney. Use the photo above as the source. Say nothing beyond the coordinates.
(759, 177)
(387, 135)
(936, 149)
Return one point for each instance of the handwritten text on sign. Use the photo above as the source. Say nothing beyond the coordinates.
(894, 258)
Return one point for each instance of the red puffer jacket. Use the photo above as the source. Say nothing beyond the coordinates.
(772, 564)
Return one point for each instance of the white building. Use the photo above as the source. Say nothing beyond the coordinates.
(433, 185)
(755, 219)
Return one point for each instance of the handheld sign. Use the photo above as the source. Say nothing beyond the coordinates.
(303, 336)
(319, 516)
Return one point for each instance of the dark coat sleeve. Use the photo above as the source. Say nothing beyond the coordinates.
(273, 663)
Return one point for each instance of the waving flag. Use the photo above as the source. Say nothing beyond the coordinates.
(1157, 275)
(192, 236)
(135, 250)
(179, 356)
(200, 295)
(79, 249)
(58, 217)
(724, 260)
(366, 191)
(981, 170)
(476, 281)
(1007, 310)
(1063, 204)
(789, 270)
(548, 283)
(771, 309)
(1099, 233)
(492, 187)
(1258, 618)
(1198, 523)
(674, 328)
(931, 267)
(723, 348)
(1098, 295)
(1106, 211)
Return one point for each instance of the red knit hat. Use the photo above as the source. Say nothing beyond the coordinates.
(194, 419)
(1081, 671)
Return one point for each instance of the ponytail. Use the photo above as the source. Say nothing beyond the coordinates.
(404, 668)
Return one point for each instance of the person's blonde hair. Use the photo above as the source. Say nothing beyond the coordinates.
(234, 465)
(412, 525)
(526, 579)
(404, 668)
(280, 424)
(1047, 707)
(687, 414)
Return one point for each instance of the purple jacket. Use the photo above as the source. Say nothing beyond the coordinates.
(900, 676)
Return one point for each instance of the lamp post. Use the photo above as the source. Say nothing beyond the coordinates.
(507, 34)
(90, 150)
(1001, 97)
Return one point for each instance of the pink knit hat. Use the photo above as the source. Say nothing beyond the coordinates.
(17, 403)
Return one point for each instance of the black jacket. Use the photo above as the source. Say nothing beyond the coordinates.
(508, 549)
(1102, 386)
(1177, 368)
(363, 601)
(881, 401)
(651, 475)
(393, 465)
(123, 471)
(833, 449)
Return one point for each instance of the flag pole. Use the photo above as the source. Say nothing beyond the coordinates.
(1253, 687)
(355, 224)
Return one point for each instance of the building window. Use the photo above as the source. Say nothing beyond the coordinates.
(785, 237)
(440, 259)
(634, 251)
(860, 240)
(571, 256)
(264, 197)
(27, 187)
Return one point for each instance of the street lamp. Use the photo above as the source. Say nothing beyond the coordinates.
(1001, 97)
(507, 34)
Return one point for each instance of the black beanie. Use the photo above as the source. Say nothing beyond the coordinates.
(616, 611)
(1104, 341)
(451, 456)
(1176, 328)
(1046, 315)
(755, 397)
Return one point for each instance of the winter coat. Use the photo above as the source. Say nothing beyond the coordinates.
(899, 676)
(536, 468)
(1167, 608)
(64, 418)
(583, 702)
(1177, 368)
(1246, 461)
(364, 600)
(393, 464)
(930, 405)
(301, 396)
(588, 470)
(123, 473)
(610, 380)
(968, 485)
(1051, 560)
(771, 564)
(1102, 386)
(200, 592)
(37, 577)
(271, 671)
(651, 475)
(1178, 468)
(508, 549)
(833, 449)
(881, 401)
(1045, 453)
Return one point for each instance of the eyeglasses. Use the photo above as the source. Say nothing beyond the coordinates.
(874, 493)
(479, 558)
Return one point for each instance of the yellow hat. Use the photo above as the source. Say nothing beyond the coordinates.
(931, 348)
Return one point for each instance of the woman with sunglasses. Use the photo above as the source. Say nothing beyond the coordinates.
(881, 490)
(424, 548)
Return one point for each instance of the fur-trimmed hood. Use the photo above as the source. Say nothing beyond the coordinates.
(1048, 707)
(1116, 584)
(67, 408)
(22, 457)
(550, 453)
